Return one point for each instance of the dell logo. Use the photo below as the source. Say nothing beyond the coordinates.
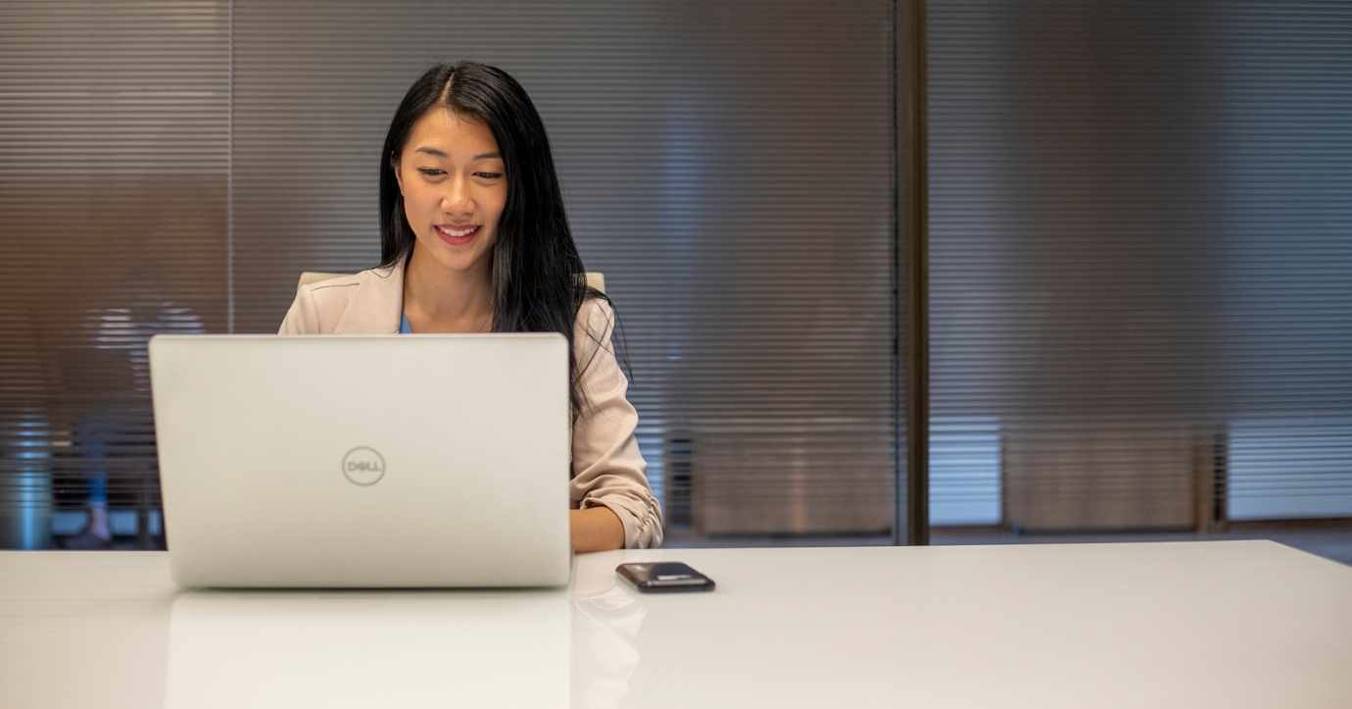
(364, 466)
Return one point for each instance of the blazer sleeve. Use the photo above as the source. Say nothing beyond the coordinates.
(608, 468)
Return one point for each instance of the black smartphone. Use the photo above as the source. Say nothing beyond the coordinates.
(664, 577)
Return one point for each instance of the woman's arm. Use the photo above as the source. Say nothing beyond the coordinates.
(596, 529)
(608, 469)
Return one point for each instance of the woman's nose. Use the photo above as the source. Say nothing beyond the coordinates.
(457, 198)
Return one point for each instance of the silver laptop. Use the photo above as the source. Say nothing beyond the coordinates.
(370, 461)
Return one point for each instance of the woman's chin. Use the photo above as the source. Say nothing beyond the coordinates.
(457, 260)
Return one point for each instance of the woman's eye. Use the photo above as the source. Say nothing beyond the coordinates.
(489, 175)
(431, 172)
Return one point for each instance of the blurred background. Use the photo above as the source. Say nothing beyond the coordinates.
(1097, 255)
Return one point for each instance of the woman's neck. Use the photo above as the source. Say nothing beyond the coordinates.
(440, 300)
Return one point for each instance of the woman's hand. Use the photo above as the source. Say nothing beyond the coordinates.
(595, 529)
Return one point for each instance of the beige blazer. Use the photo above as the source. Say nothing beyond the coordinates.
(607, 467)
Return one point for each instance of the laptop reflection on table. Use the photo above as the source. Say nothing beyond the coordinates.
(363, 649)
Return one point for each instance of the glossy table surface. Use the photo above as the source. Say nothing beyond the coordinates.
(1233, 623)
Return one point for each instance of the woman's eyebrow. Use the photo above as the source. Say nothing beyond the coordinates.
(441, 154)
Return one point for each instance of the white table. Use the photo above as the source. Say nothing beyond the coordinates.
(1226, 624)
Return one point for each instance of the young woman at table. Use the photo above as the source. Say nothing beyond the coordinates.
(474, 239)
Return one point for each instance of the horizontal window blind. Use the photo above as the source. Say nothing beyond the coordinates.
(113, 171)
(174, 167)
(727, 166)
(1140, 262)
(1286, 95)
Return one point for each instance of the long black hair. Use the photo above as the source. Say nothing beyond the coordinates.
(538, 280)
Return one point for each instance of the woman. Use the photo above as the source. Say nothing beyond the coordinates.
(474, 239)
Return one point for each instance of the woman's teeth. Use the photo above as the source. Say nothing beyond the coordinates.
(457, 233)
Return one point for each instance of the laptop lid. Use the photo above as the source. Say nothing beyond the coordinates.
(364, 461)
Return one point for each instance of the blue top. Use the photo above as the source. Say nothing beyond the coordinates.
(404, 327)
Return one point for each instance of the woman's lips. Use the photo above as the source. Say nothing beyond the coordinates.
(456, 236)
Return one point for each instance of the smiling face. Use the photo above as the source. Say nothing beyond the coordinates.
(454, 186)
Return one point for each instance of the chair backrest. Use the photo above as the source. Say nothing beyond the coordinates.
(595, 279)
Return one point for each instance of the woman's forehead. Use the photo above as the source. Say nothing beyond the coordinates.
(442, 132)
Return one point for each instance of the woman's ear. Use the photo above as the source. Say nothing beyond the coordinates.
(394, 165)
